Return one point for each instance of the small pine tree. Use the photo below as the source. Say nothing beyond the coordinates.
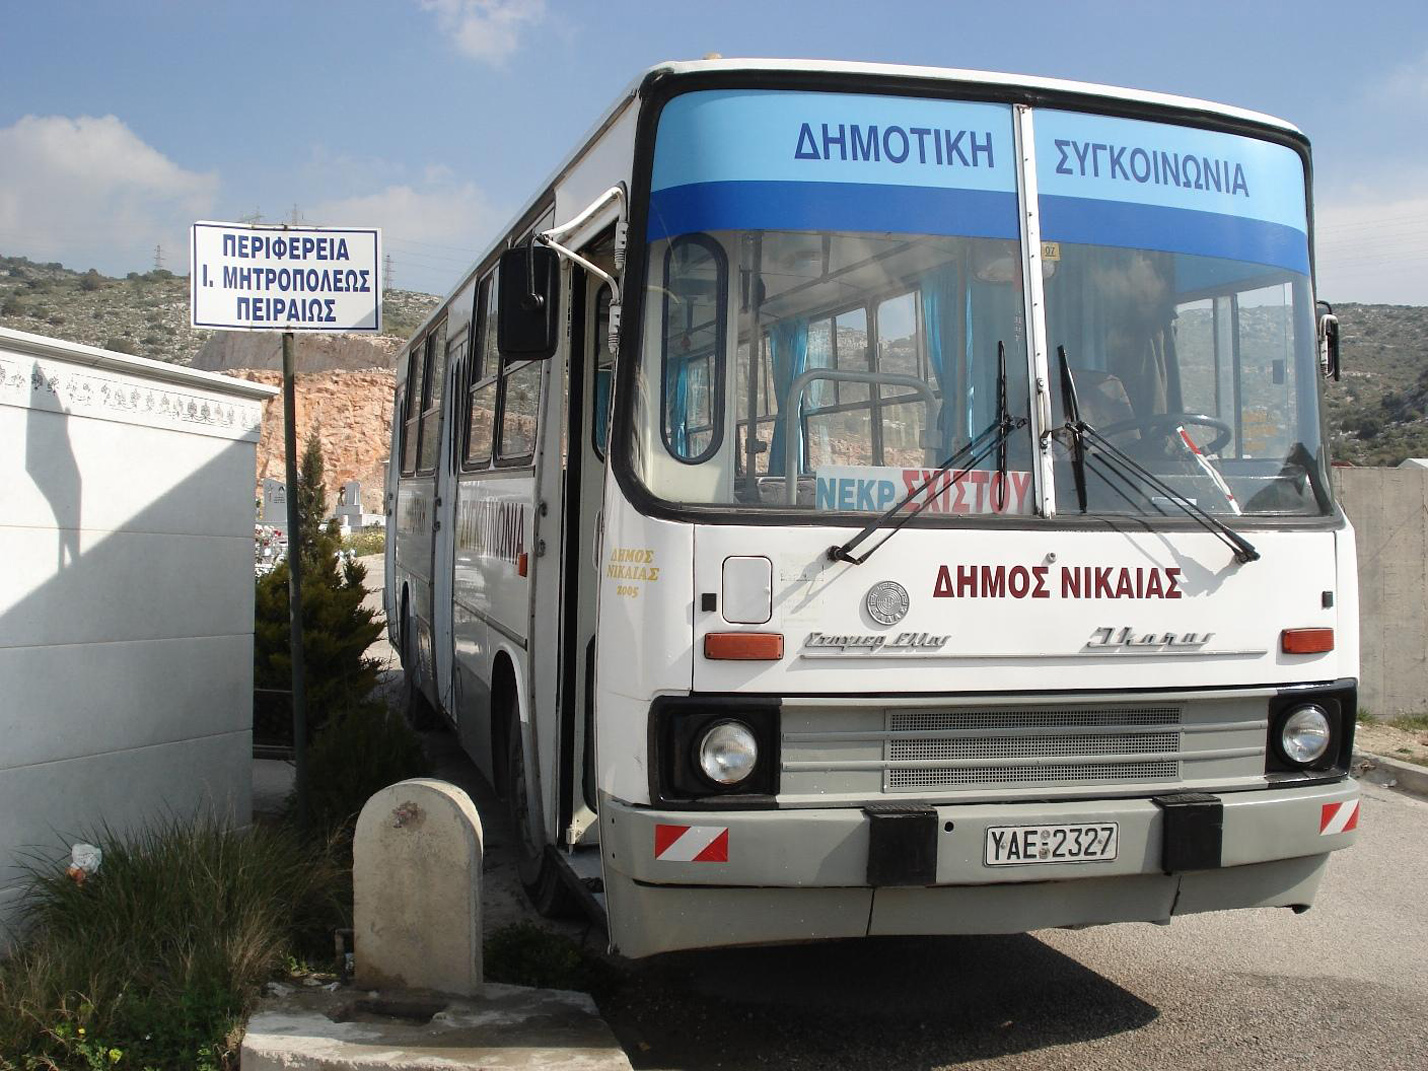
(337, 629)
(316, 540)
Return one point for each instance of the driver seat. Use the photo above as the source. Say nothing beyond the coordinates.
(1104, 402)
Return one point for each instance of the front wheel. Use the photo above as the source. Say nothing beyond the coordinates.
(539, 873)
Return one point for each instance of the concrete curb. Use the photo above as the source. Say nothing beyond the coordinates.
(1391, 773)
(504, 1026)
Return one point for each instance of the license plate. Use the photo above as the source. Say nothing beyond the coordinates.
(1018, 845)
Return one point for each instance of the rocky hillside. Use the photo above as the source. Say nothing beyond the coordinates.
(147, 314)
(344, 385)
(1377, 415)
(1378, 412)
(352, 412)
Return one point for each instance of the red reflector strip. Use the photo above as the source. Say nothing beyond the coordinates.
(744, 646)
(522, 564)
(1306, 640)
(1338, 818)
(691, 844)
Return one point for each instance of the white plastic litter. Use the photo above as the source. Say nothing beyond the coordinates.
(86, 858)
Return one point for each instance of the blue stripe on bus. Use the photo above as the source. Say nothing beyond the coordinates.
(830, 206)
(1081, 220)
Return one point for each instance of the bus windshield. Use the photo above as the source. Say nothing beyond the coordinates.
(825, 343)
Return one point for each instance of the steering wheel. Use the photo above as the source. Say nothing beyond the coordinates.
(1166, 423)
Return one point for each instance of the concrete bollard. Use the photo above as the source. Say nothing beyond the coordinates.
(416, 879)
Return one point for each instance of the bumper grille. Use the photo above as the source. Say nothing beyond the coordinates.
(1006, 747)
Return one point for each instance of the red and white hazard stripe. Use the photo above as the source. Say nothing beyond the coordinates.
(691, 844)
(1338, 817)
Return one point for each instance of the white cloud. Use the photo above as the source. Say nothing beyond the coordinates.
(1371, 245)
(486, 30)
(433, 230)
(91, 193)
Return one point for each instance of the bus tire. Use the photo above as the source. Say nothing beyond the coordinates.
(539, 872)
(420, 714)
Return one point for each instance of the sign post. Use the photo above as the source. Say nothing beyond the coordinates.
(288, 279)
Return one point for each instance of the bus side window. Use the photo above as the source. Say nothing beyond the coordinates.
(765, 406)
(434, 384)
(904, 416)
(696, 284)
(520, 401)
(416, 363)
(481, 405)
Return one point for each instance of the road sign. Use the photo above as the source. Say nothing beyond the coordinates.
(247, 278)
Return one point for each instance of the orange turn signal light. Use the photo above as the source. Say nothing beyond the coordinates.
(744, 646)
(1306, 640)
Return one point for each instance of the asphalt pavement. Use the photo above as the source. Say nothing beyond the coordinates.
(1343, 986)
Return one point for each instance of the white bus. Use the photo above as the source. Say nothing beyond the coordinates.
(858, 499)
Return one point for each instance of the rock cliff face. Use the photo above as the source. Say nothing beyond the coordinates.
(228, 350)
(353, 415)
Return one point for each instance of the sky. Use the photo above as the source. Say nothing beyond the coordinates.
(122, 122)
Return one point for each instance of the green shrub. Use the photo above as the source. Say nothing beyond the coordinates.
(119, 344)
(366, 541)
(337, 629)
(158, 956)
(13, 306)
(357, 752)
(90, 281)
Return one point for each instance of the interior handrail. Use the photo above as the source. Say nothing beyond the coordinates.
(793, 404)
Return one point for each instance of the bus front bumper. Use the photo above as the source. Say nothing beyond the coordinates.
(698, 879)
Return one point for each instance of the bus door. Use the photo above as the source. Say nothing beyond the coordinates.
(443, 529)
(590, 380)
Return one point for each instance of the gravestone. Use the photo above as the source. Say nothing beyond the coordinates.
(275, 502)
(416, 889)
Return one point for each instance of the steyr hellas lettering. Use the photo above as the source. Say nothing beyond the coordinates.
(903, 641)
(1067, 582)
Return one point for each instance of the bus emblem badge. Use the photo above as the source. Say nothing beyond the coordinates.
(887, 602)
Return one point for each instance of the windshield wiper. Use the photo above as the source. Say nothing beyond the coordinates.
(1115, 458)
(979, 448)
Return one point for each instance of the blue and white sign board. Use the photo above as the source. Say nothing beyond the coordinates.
(1143, 185)
(759, 159)
(247, 278)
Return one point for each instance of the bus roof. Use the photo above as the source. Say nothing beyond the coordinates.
(953, 74)
(849, 67)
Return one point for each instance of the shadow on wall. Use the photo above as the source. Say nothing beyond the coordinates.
(127, 669)
(50, 461)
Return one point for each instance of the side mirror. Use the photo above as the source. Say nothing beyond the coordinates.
(528, 311)
(1328, 342)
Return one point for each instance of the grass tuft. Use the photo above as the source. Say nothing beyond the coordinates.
(153, 961)
(1411, 722)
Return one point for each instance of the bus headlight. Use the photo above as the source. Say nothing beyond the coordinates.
(728, 752)
(1305, 734)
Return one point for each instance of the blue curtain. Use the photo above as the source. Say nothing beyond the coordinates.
(788, 343)
(678, 406)
(939, 292)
